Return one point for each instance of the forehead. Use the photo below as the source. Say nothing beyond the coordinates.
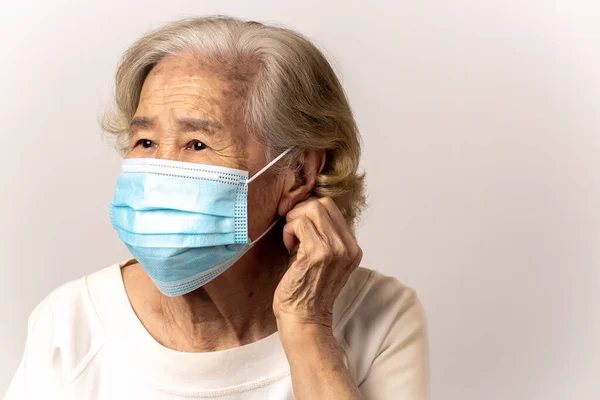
(183, 78)
(184, 86)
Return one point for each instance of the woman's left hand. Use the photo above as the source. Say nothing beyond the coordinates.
(324, 254)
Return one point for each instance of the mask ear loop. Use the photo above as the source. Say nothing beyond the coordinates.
(269, 165)
(266, 167)
(252, 243)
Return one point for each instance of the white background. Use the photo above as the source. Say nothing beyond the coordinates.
(481, 135)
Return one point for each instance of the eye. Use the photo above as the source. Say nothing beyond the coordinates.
(145, 143)
(196, 145)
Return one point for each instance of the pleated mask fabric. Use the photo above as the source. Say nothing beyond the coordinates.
(185, 223)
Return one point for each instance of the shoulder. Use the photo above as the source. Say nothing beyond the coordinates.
(377, 313)
(64, 332)
(370, 296)
(69, 304)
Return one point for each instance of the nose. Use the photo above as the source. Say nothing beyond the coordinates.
(168, 150)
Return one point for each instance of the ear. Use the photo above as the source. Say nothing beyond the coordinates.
(299, 184)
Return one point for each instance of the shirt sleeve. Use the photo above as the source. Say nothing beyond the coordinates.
(36, 376)
(400, 370)
(16, 390)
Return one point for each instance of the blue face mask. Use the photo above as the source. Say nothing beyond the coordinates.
(185, 223)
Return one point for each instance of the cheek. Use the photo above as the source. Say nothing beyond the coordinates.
(263, 200)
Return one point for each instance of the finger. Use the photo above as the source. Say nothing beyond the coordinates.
(333, 211)
(341, 227)
(297, 211)
(313, 209)
(336, 216)
(293, 232)
(302, 232)
(319, 216)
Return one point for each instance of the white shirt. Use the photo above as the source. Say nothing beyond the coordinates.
(84, 341)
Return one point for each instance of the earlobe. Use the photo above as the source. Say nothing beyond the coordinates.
(283, 208)
(293, 191)
(300, 183)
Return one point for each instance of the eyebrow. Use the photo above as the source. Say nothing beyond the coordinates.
(188, 124)
(142, 123)
(197, 124)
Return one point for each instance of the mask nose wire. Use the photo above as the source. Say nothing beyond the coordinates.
(269, 165)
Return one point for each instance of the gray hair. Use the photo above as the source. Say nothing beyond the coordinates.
(293, 97)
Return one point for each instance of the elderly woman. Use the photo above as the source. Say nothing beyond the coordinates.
(237, 198)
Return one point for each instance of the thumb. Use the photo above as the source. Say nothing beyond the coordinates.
(290, 237)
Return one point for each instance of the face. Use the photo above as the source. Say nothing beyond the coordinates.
(189, 112)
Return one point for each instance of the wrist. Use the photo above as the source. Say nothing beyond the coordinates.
(316, 361)
(305, 340)
(304, 328)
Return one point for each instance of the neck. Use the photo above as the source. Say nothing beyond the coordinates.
(232, 310)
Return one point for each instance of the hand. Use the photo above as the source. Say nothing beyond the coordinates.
(324, 254)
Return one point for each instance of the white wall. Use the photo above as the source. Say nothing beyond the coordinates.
(481, 132)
